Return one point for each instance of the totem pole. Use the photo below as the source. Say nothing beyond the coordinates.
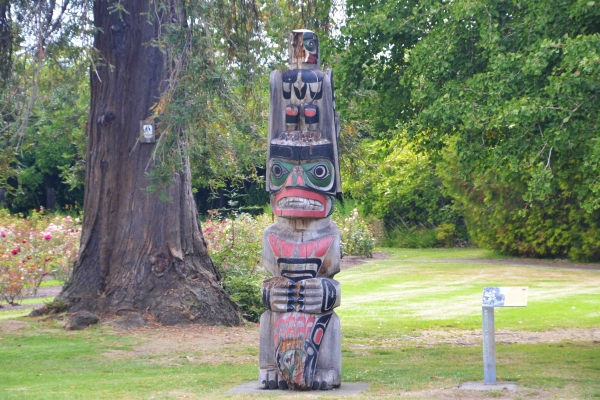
(299, 333)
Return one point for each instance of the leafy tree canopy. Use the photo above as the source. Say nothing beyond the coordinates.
(509, 92)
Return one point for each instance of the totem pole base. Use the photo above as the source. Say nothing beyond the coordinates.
(483, 386)
(346, 389)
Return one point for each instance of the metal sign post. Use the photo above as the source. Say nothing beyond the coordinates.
(489, 346)
(496, 297)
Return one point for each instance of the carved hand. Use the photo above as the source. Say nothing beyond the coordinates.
(313, 296)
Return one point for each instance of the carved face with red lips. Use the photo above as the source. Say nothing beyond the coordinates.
(302, 180)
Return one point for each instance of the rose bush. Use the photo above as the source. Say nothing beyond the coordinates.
(31, 248)
(356, 236)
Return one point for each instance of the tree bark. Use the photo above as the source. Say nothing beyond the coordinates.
(138, 253)
(6, 41)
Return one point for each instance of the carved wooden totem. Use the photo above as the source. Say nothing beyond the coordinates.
(300, 334)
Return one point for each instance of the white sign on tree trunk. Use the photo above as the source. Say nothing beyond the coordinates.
(147, 132)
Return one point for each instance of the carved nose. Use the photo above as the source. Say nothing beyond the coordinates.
(295, 179)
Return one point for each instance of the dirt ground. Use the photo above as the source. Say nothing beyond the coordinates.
(463, 338)
(352, 261)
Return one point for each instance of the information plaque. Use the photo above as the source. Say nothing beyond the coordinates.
(505, 296)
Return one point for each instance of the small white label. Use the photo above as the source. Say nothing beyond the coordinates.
(148, 132)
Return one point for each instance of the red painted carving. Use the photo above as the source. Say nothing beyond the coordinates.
(315, 248)
(294, 325)
(318, 335)
(300, 193)
(280, 247)
(292, 111)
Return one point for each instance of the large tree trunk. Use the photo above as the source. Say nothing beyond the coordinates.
(138, 253)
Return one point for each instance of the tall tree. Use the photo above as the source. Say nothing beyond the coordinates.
(509, 92)
(139, 253)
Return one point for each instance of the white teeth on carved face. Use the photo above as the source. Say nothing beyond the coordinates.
(299, 203)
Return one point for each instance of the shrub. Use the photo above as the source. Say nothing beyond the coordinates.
(356, 236)
(446, 234)
(399, 184)
(502, 216)
(414, 238)
(235, 246)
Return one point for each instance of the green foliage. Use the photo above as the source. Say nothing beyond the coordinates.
(511, 91)
(412, 238)
(499, 218)
(236, 249)
(401, 186)
(44, 102)
(446, 234)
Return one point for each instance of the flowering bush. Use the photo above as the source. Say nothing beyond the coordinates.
(31, 248)
(356, 237)
(235, 246)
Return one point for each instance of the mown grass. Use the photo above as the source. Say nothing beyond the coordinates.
(405, 294)
(52, 282)
(24, 302)
(72, 366)
(383, 302)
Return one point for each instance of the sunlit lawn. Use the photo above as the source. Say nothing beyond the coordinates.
(384, 303)
(406, 293)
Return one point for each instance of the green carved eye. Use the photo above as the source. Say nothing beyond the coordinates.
(310, 44)
(280, 172)
(320, 173)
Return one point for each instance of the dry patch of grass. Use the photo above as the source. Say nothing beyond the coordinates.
(11, 326)
(454, 393)
(454, 337)
(193, 344)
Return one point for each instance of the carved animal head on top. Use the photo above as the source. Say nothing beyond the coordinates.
(304, 49)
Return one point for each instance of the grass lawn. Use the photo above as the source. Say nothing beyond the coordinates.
(403, 321)
(37, 300)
